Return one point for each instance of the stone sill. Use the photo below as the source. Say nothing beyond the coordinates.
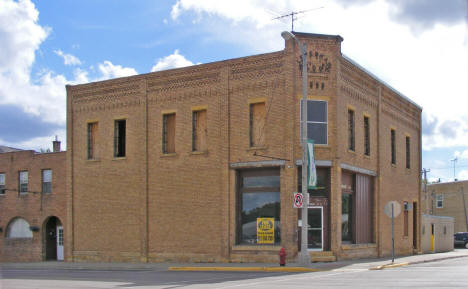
(246, 248)
(358, 246)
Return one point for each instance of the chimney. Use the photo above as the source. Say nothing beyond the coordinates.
(56, 145)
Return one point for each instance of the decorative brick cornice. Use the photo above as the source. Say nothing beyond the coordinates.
(107, 105)
(105, 91)
(182, 81)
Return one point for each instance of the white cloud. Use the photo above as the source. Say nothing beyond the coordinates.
(461, 155)
(39, 143)
(462, 175)
(68, 59)
(174, 60)
(109, 70)
(44, 95)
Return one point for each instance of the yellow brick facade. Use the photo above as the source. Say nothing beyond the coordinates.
(183, 206)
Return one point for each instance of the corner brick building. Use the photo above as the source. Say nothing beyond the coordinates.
(185, 164)
(32, 205)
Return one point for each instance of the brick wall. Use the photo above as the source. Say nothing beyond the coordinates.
(35, 207)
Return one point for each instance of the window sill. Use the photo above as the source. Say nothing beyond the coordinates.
(367, 156)
(262, 148)
(22, 194)
(168, 155)
(243, 248)
(119, 158)
(352, 152)
(394, 166)
(93, 160)
(199, 152)
(358, 246)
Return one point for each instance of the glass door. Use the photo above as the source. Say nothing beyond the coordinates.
(315, 229)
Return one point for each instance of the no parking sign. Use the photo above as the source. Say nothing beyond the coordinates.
(298, 200)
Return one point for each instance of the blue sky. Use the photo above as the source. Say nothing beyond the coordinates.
(419, 47)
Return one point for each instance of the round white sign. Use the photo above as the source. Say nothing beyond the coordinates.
(396, 209)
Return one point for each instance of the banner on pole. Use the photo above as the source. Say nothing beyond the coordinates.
(311, 172)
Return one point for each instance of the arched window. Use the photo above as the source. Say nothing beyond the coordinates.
(18, 228)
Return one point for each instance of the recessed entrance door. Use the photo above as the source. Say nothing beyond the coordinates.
(60, 243)
(315, 230)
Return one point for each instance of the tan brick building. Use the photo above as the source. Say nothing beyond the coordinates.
(191, 164)
(448, 199)
(32, 205)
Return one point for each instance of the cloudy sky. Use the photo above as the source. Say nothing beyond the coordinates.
(420, 47)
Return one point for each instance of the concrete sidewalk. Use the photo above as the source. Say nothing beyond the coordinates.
(360, 264)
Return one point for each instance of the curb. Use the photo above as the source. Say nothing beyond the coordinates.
(381, 267)
(246, 269)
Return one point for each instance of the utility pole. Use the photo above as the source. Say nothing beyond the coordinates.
(464, 208)
(425, 171)
(304, 254)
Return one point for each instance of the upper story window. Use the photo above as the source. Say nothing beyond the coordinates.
(199, 131)
(351, 141)
(408, 153)
(47, 181)
(317, 121)
(366, 136)
(257, 124)
(2, 184)
(393, 148)
(23, 182)
(439, 201)
(168, 137)
(119, 137)
(92, 140)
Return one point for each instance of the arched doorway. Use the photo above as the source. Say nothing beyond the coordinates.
(53, 236)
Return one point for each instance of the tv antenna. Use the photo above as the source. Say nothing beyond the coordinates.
(454, 162)
(293, 14)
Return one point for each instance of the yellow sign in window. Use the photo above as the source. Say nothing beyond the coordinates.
(265, 230)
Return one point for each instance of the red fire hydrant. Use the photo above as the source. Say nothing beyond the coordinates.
(282, 257)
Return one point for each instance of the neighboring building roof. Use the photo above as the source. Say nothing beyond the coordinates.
(5, 149)
(447, 183)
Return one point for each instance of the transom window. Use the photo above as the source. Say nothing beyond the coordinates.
(317, 121)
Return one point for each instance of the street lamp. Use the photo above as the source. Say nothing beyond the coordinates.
(304, 254)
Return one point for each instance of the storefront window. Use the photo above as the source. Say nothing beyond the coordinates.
(259, 207)
(323, 182)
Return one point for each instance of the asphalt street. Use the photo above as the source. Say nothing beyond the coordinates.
(441, 274)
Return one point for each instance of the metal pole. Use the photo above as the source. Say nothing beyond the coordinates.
(464, 208)
(393, 240)
(305, 257)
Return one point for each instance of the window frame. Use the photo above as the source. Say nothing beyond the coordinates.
(164, 138)
(393, 145)
(196, 147)
(253, 143)
(351, 130)
(240, 175)
(408, 151)
(92, 131)
(20, 190)
(2, 184)
(312, 122)
(120, 142)
(43, 183)
(439, 201)
(366, 123)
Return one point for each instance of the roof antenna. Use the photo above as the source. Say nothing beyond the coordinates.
(292, 14)
(454, 162)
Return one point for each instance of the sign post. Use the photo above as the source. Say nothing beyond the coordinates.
(392, 209)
